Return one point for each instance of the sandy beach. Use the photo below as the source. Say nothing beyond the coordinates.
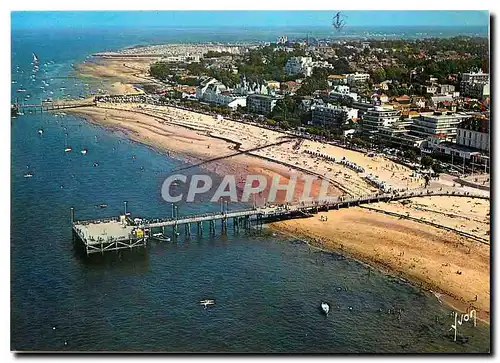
(116, 76)
(436, 259)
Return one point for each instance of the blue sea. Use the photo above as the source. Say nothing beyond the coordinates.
(267, 287)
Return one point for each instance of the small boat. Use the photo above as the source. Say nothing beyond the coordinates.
(103, 206)
(96, 165)
(40, 132)
(28, 175)
(205, 303)
(325, 307)
(160, 237)
(67, 148)
(84, 151)
(21, 90)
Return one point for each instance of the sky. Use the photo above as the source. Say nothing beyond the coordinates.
(95, 19)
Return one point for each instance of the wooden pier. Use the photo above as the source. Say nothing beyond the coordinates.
(30, 108)
(113, 234)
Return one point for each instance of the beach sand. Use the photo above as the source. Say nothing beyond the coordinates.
(116, 76)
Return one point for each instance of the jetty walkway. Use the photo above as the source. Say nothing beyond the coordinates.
(112, 234)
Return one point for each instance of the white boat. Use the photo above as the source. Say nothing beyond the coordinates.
(160, 237)
(21, 90)
(84, 151)
(205, 303)
(28, 175)
(325, 307)
(67, 148)
(40, 132)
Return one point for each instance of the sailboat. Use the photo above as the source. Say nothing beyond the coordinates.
(35, 59)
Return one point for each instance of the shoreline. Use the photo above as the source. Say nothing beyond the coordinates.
(441, 296)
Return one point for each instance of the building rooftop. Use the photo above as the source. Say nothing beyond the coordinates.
(95, 231)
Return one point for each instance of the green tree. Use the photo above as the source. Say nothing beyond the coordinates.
(426, 161)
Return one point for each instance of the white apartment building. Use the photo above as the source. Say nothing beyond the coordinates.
(446, 88)
(475, 84)
(296, 65)
(439, 124)
(473, 132)
(475, 77)
(342, 91)
(353, 78)
(214, 92)
(376, 118)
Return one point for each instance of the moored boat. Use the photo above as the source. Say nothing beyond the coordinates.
(325, 307)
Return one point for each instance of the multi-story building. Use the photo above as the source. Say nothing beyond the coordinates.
(261, 104)
(296, 65)
(437, 123)
(353, 78)
(332, 116)
(376, 118)
(475, 77)
(474, 132)
(398, 134)
(362, 106)
(477, 90)
(342, 92)
(446, 88)
(475, 84)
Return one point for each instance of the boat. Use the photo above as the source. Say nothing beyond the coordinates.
(207, 302)
(325, 307)
(35, 58)
(40, 132)
(21, 90)
(161, 237)
(103, 206)
(84, 151)
(67, 148)
(28, 175)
